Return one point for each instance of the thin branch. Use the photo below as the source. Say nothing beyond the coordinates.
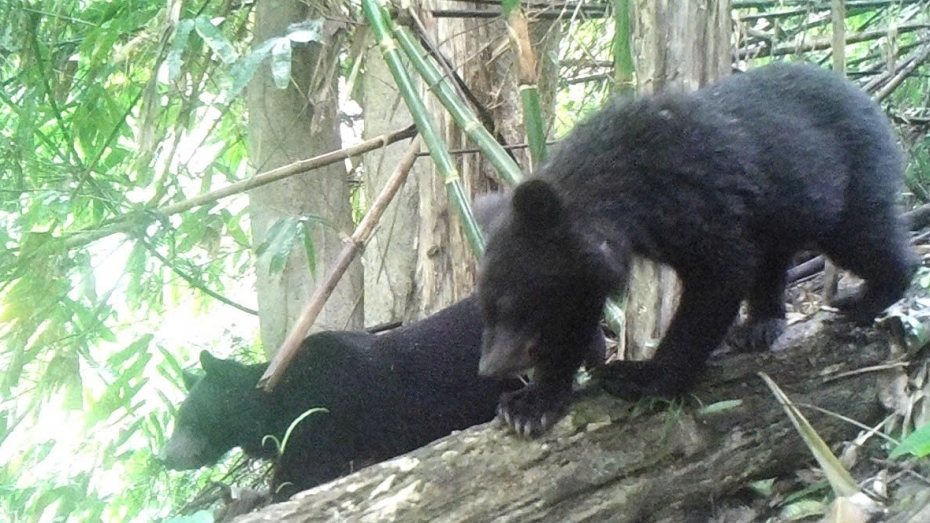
(351, 249)
(132, 220)
(820, 44)
(824, 5)
(194, 282)
(852, 8)
(903, 73)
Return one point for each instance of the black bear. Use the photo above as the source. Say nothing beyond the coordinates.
(724, 185)
(385, 395)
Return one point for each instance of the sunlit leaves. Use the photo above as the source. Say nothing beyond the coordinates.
(284, 235)
(306, 32)
(79, 152)
(281, 238)
(178, 44)
(121, 392)
(215, 39)
(281, 62)
(243, 70)
(917, 443)
(280, 50)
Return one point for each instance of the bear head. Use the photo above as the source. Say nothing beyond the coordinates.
(223, 410)
(542, 282)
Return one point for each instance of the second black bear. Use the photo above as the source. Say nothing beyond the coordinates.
(724, 185)
(385, 395)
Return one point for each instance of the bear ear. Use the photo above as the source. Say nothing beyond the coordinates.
(490, 210)
(536, 203)
(190, 379)
(210, 363)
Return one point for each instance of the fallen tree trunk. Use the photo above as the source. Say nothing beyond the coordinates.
(611, 460)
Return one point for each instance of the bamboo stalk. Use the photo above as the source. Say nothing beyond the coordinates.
(825, 43)
(466, 119)
(527, 80)
(623, 50)
(381, 24)
(903, 73)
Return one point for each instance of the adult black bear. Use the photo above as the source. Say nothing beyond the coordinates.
(724, 185)
(385, 395)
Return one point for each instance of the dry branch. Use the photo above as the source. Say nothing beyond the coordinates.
(352, 247)
(612, 461)
(818, 44)
(131, 221)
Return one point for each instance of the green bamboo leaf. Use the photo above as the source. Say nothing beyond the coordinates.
(720, 406)
(278, 243)
(243, 70)
(128, 432)
(135, 348)
(293, 425)
(74, 392)
(270, 236)
(170, 367)
(281, 63)
(916, 444)
(105, 333)
(181, 36)
(307, 236)
(215, 40)
(313, 218)
(840, 479)
(234, 229)
(307, 31)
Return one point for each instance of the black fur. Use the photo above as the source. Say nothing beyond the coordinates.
(385, 395)
(724, 185)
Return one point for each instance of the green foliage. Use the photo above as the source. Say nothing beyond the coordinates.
(281, 445)
(916, 443)
(284, 234)
(583, 86)
(109, 109)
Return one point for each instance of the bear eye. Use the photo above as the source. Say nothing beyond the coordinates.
(504, 305)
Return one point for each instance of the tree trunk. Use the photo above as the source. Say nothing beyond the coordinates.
(611, 461)
(676, 45)
(418, 260)
(291, 124)
(389, 257)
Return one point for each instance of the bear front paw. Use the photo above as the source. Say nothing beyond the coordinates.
(633, 380)
(755, 335)
(533, 410)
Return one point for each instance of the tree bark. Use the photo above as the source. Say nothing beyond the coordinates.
(610, 460)
(286, 125)
(389, 257)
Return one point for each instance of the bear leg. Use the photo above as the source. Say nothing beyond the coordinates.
(766, 300)
(880, 254)
(706, 311)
